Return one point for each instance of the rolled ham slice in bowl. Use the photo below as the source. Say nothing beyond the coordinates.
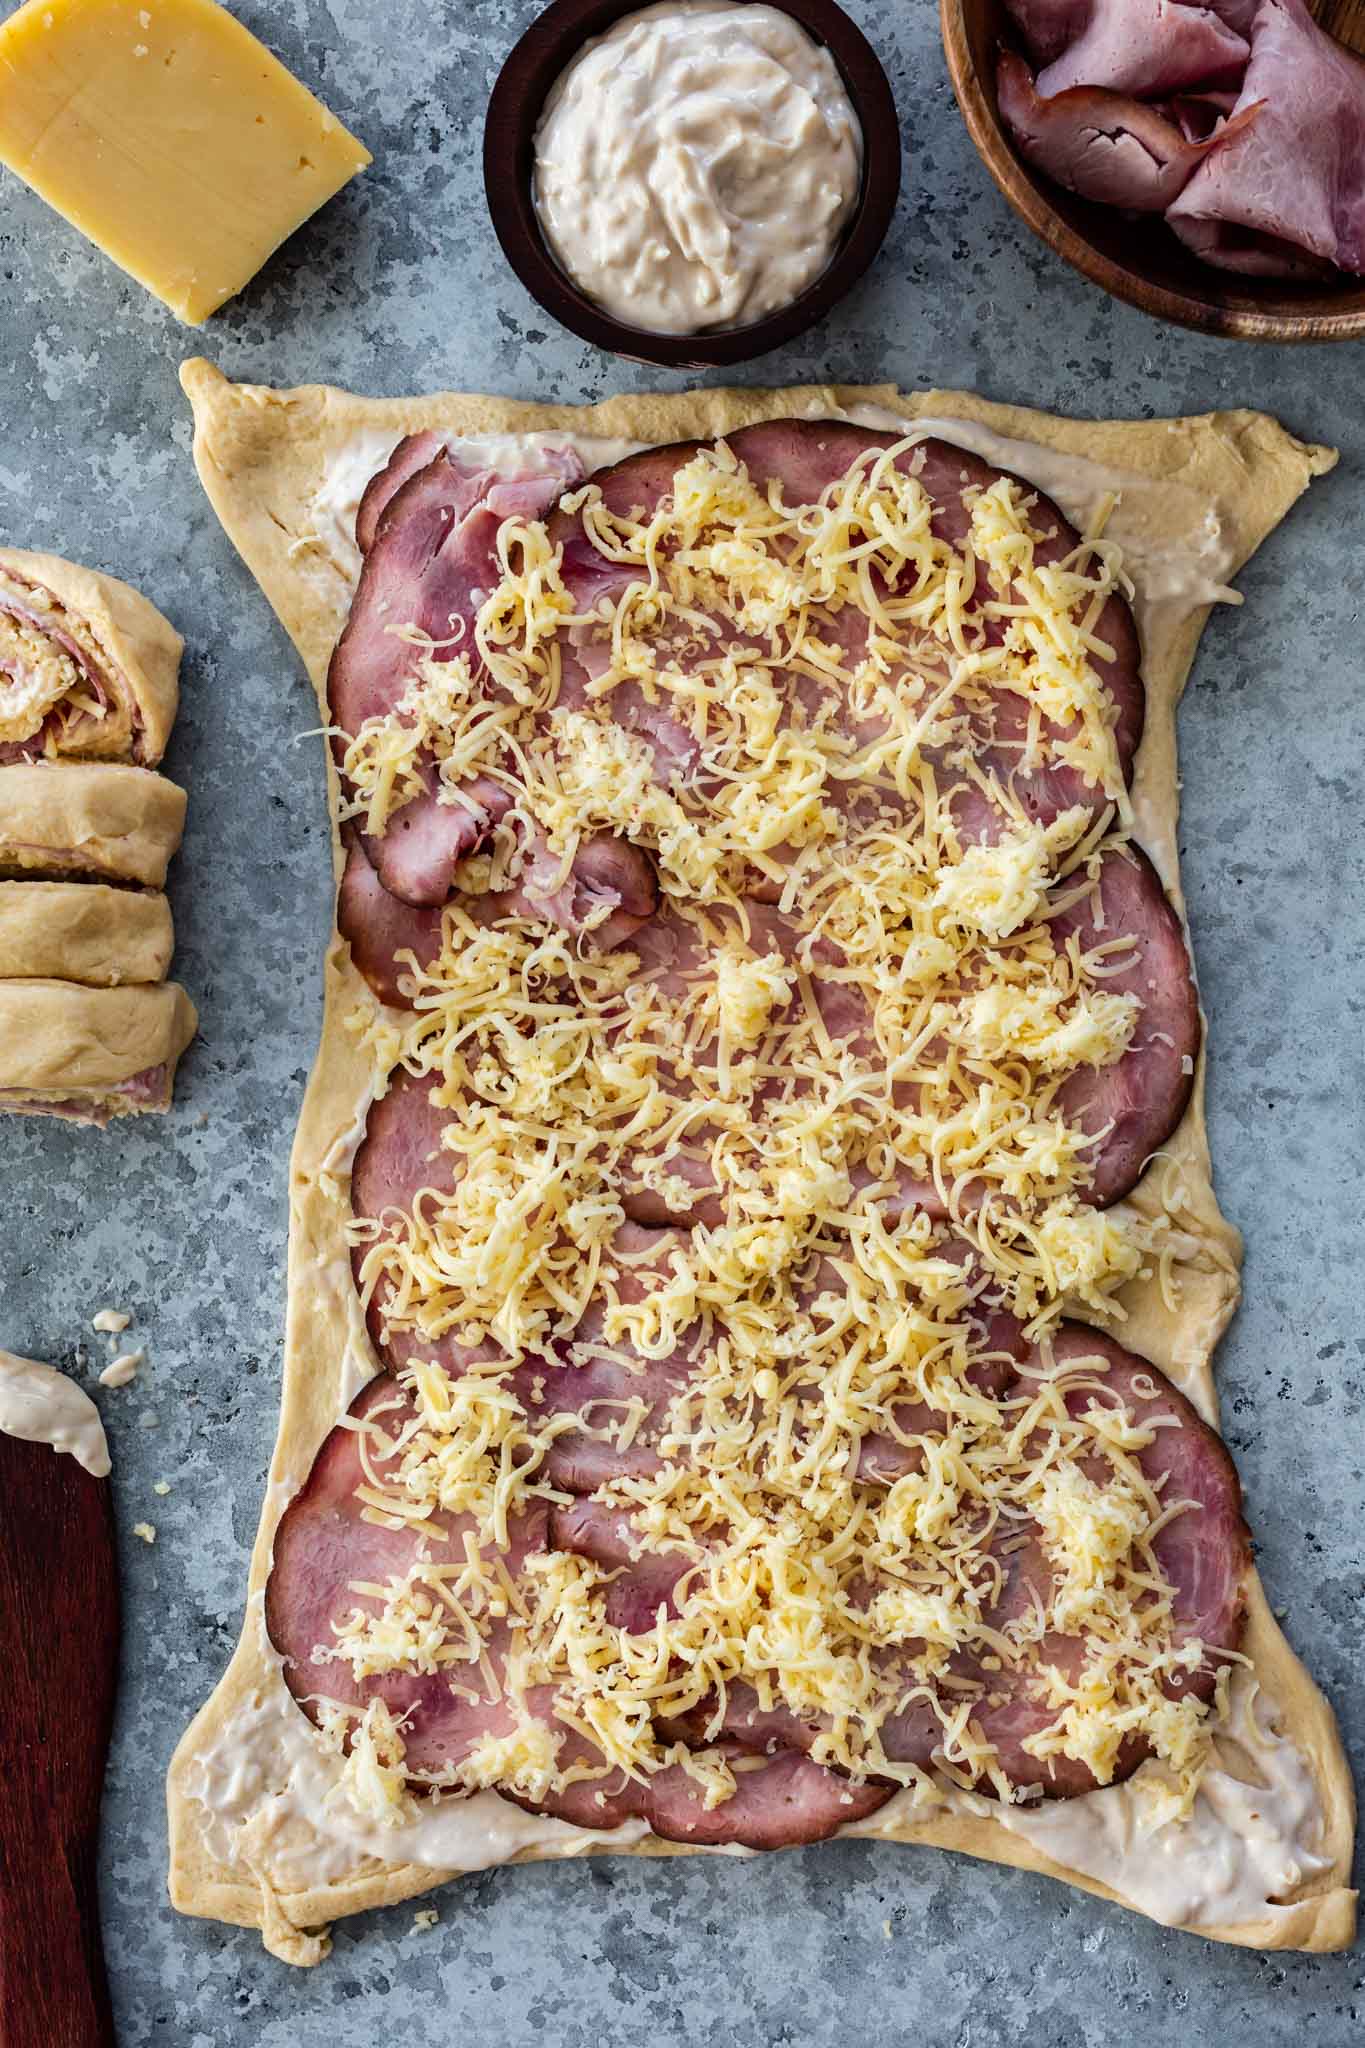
(89, 669)
(1286, 196)
(1106, 145)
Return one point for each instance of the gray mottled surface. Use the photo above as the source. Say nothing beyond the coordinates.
(399, 286)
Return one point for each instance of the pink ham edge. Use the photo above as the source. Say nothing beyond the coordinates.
(1148, 48)
(1133, 1106)
(1287, 197)
(1052, 28)
(1103, 145)
(381, 929)
(413, 452)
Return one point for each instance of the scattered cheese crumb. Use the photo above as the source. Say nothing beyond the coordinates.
(110, 1321)
(122, 1369)
(162, 1486)
(146, 1530)
(886, 1929)
(424, 1920)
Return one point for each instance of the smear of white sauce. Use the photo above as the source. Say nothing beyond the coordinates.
(43, 1406)
(269, 1768)
(1253, 1836)
(1256, 1828)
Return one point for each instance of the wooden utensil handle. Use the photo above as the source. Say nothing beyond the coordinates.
(59, 1622)
(53, 1988)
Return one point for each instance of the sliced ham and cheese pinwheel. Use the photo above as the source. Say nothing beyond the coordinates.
(100, 821)
(83, 931)
(89, 669)
(90, 1055)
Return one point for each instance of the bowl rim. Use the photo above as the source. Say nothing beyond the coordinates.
(532, 67)
(1245, 320)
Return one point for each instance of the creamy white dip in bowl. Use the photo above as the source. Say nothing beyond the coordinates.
(699, 250)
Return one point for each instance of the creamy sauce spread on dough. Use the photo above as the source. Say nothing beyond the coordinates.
(269, 1772)
(269, 1788)
(43, 1406)
(1253, 1835)
(696, 166)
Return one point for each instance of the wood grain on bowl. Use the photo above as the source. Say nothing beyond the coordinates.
(1138, 259)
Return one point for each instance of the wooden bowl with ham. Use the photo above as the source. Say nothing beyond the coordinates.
(1137, 256)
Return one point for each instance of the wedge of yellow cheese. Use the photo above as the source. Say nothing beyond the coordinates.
(172, 138)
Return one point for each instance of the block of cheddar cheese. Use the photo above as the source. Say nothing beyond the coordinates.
(168, 134)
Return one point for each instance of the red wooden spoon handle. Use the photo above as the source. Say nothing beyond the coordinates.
(59, 1631)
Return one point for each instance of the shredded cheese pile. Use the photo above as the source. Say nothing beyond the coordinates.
(799, 703)
(36, 677)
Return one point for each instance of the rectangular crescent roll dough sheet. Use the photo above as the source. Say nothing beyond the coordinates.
(102, 819)
(253, 1840)
(83, 931)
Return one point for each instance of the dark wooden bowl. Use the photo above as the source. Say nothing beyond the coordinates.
(1139, 260)
(523, 85)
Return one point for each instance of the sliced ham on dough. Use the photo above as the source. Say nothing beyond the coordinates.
(1132, 1106)
(609, 876)
(619, 1397)
(1286, 197)
(642, 1582)
(1106, 145)
(805, 457)
(323, 1546)
(413, 452)
(432, 558)
(780, 1802)
(382, 930)
(1204, 1554)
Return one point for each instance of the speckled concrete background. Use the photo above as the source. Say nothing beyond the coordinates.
(399, 286)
